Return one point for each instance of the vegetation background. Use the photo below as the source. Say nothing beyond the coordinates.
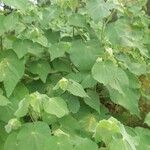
(74, 74)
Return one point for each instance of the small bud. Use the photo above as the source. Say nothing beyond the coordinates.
(109, 50)
(63, 83)
(13, 124)
(99, 59)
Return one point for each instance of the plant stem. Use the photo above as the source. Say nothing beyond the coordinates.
(105, 24)
(1, 43)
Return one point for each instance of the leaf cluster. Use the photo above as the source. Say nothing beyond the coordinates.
(74, 75)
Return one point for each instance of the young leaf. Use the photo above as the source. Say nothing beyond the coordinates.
(13, 124)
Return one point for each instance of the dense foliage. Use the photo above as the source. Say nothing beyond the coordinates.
(74, 75)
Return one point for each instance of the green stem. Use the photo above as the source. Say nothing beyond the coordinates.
(84, 39)
(105, 24)
(73, 32)
(1, 43)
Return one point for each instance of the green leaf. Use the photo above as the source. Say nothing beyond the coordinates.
(18, 4)
(120, 33)
(49, 14)
(41, 67)
(106, 130)
(144, 138)
(41, 40)
(36, 100)
(72, 102)
(86, 144)
(69, 123)
(93, 100)
(76, 89)
(10, 22)
(23, 91)
(85, 78)
(133, 81)
(128, 100)
(56, 106)
(11, 142)
(88, 81)
(119, 144)
(98, 9)
(103, 72)
(22, 108)
(91, 50)
(62, 65)
(147, 119)
(33, 102)
(137, 68)
(33, 136)
(78, 76)
(58, 50)
(2, 17)
(77, 20)
(113, 33)
(120, 79)
(3, 135)
(110, 131)
(60, 142)
(72, 64)
(12, 70)
(143, 49)
(88, 121)
(108, 73)
(71, 86)
(7, 112)
(4, 101)
(22, 47)
(52, 36)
